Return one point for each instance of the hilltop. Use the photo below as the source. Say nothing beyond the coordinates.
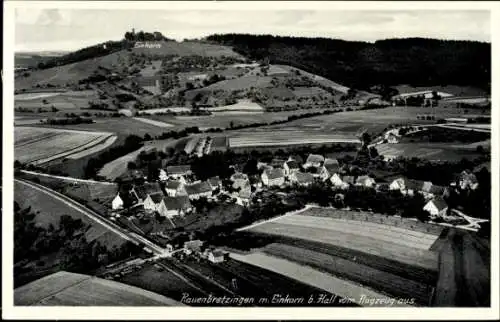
(415, 61)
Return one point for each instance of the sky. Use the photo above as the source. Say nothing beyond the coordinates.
(72, 29)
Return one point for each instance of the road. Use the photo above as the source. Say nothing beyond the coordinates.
(66, 178)
(108, 224)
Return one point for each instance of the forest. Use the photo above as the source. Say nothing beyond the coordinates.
(362, 65)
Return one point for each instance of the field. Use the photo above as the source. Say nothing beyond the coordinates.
(242, 105)
(224, 119)
(451, 89)
(48, 211)
(119, 125)
(71, 289)
(373, 121)
(321, 80)
(399, 244)
(429, 151)
(40, 145)
(314, 278)
(117, 167)
(351, 270)
(153, 122)
(287, 137)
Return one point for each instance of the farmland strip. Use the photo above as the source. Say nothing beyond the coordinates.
(352, 270)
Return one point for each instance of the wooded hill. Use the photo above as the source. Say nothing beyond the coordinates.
(414, 61)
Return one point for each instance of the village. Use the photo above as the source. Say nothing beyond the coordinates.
(178, 195)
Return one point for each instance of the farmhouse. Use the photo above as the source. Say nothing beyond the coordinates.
(215, 256)
(117, 202)
(337, 181)
(174, 206)
(274, 177)
(302, 178)
(365, 181)
(175, 188)
(290, 167)
(198, 190)
(153, 201)
(314, 160)
(123, 198)
(398, 184)
(436, 207)
(193, 246)
(177, 171)
(277, 162)
(332, 165)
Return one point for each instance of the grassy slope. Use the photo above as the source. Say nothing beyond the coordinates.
(48, 211)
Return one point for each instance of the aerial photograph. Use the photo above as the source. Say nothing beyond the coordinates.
(252, 158)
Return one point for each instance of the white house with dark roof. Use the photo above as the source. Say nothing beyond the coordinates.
(436, 207)
(273, 177)
(152, 202)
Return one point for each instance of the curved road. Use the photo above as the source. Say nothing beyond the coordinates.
(108, 224)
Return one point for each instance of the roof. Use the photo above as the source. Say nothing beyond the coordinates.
(173, 184)
(217, 253)
(297, 158)
(315, 158)
(178, 202)
(156, 197)
(274, 173)
(72, 289)
(303, 177)
(332, 165)
(437, 190)
(214, 181)
(199, 187)
(439, 203)
(148, 188)
(362, 179)
(292, 164)
(178, 169)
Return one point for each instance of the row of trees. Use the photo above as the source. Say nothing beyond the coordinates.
(132, 143)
